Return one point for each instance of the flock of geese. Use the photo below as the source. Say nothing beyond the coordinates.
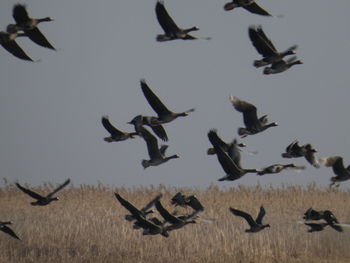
(227, 153)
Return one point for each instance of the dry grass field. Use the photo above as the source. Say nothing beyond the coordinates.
(87, 225)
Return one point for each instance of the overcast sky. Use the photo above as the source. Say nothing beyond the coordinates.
(50, 111)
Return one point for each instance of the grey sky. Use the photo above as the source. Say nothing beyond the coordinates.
(51, 110)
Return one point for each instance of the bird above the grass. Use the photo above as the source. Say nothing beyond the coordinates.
(250, 118)
(255, 225)
(233, 171)
(277, 168)
(171, 30)
(8, 42)
(325, 215)
(282, 65)
(144, 212)
(116, 135)
(249, 5)
(265, 47)
(294, 150)
(342, 173)
(156, 154)
(4, 228)
(183, 200)
(43, 200)
(159, 130)
(164, 114)
(30, 25)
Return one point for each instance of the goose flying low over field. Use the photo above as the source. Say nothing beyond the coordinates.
(133, 210)
(265, 47)
(294, 150)
(171, 30)
(164, 114)
(183, 200)
(43, 200)
(255, 225)
(282, 65)
(277, 168)
(8, 42)
(116, 135)
(233, 171)
(250, 118)
(30, 25)
(342, 173)
(156, 154)
(249, 5)
(325, 215)
(4, 228)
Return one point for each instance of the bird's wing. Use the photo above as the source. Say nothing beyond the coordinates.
(160, 132)
(256, 9)
(165, 214)
(263, 46)
(20, 14)
(132, 209)
(266, 39)
(164, 19)
(193, 202)
(9, 231)
(151, 141)
(260, 216)
(59, 188)
(37, 37)
(16, 50)
(153, 100)
(109, 127)
(225, 161)
(245, 215)
(29, 192)
(151, 203)
(163, 149)
(249, 111)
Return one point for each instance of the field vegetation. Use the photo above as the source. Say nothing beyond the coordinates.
(87, 225)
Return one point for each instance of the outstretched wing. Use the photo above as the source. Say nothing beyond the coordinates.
(16, 50)
(245, 215)
(151, 141)
(260, 41)
(29, 192)
(256, 9)
(37, 37)
(59, 188)
(9, 231)
(164, 19)
(132, 209)
(151, 203)
(165, 214)
(153, 100)
(260, 215)
(109, 127)
(249, 111)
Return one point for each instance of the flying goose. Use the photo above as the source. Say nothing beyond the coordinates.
(294, 150)
(342, 173)
(326, 215)
(231, 148)
(157, 129)
(183, 200)
(171, 30)
(4, 228)
(277, 168)
(250, 118)
(133, 210)
(164, 114)
(255, 225)
(116, 135)
(156, 154)
(175, 222)
(249, 5)
(233, 171)
(282, 65)
(30, 25)
(43, 200)
(265, 47)
(8, 42)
